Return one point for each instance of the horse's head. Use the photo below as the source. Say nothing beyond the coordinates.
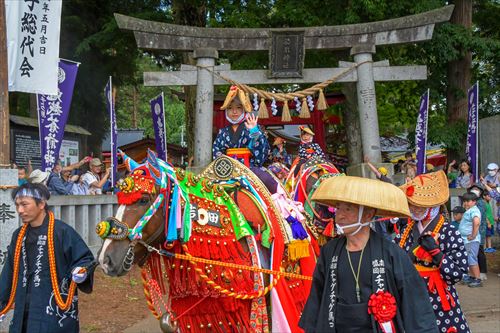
(140, 218)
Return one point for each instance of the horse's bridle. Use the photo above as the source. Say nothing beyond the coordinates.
(115, 229)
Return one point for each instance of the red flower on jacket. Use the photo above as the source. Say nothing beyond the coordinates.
(382, 305)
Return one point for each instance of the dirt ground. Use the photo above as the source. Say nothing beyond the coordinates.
(118, 303)
(115, 304)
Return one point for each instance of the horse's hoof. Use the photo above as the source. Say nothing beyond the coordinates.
(167, 325)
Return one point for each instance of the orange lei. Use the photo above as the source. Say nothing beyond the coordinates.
(409, 228)
(52, 265)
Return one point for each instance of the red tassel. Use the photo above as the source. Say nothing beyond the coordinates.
(233, 250)
(328, 232)
(204, 248)
(223, 251)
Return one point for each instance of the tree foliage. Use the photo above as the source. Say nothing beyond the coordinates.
(89, 34)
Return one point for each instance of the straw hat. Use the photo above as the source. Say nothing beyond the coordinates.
(385, 197)
(234, 92)
(38, 176)
(427, 190)
(305, 129)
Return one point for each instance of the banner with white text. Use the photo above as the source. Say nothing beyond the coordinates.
(53, 112)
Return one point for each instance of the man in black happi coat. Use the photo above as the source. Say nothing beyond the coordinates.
(363, 282)
(36, 309)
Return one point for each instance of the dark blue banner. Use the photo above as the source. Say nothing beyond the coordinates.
(53, 111)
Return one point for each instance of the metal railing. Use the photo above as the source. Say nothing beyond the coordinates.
(83, 213)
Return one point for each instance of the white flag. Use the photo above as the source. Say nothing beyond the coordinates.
(33, 28)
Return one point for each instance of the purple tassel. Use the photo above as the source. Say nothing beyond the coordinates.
(298, 231)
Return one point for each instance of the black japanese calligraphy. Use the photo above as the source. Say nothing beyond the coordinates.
(27, 42)
(6, 213)
(28, 23)
(31, 3)
(25, 68)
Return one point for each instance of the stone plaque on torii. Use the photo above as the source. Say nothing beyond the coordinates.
(361, 39)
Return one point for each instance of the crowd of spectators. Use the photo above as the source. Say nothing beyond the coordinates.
(478, 216)
(86, 177)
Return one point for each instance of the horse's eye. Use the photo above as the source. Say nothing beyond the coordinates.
(143, 201)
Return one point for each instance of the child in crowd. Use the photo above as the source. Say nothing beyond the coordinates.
(490, 220)
(469, 230)
(309, 149)
(457, 214)
(452, 174)
(410, 166)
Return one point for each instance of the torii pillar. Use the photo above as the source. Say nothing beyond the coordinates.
(367, 101)
(205, 58)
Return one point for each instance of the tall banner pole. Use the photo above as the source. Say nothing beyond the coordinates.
(164, 124)
(110, 102)
(471, 150)
(53, 112)
(158, 115)
(421, 133)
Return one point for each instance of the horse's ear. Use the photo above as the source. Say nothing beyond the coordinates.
(153, 165)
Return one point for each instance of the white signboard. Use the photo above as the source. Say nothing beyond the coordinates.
(33, 28)
(69, 152)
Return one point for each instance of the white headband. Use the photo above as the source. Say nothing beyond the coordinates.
(29, 193)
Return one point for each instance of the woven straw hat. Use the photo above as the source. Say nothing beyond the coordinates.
(234, 92)
(427, 190)
(306, 129)
(385, 197)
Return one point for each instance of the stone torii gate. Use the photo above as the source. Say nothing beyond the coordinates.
(360, 39)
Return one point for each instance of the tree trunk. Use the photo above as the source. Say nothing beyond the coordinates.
(33, 106)
(4, 91)
(459, 71)
(194, 14)
(351, 122)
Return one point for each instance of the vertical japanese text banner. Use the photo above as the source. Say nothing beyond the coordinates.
(421, 133)
(110, 103)
(471, 150)
(33, 29)
(53, 111)
(158, 114)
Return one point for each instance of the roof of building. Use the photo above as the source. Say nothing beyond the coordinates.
(32, 122)
(124, 137)
(149, 141)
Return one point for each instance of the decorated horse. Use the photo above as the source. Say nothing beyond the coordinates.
(218, 252)
(302, 181)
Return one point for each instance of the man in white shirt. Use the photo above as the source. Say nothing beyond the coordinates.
(92, 179)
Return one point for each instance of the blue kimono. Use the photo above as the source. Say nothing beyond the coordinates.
(252, 139)
(310, 150)
(35, 307)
